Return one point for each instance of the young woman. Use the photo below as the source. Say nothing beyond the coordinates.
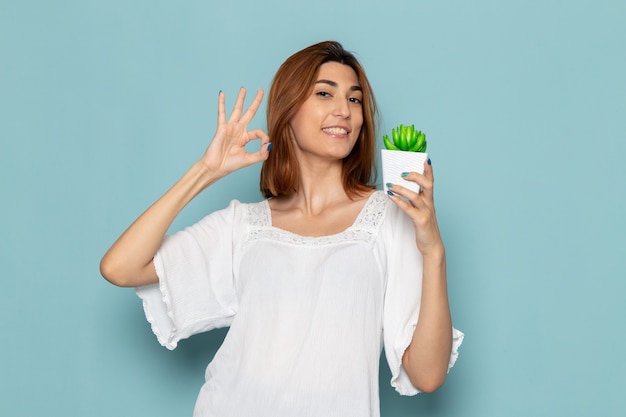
(314, 280)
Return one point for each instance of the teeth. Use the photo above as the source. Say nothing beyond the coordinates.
(335, 130)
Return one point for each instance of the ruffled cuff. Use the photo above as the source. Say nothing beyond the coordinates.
(159, 314)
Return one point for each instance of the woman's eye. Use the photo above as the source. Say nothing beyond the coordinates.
(323, 94)
(354, 100)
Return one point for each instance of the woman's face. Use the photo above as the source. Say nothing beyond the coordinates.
(328, 123)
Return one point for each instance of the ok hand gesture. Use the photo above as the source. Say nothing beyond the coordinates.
(227, 152)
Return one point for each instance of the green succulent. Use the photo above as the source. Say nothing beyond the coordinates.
(406, 138)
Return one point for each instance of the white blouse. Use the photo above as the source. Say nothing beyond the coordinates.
(308, 316)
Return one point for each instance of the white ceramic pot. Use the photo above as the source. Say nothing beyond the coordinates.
(396, 162)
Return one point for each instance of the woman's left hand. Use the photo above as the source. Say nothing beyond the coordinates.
(420, 207)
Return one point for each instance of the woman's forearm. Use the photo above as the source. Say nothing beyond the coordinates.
(128, 263)
(427, 357)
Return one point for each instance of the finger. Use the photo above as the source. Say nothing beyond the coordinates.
(238, 109)
(261, 155)
(411, 198)
(264, 152)
(258, 134)
(400, 202)
(417, 178)
(254, 106)
(221, 110)
(428, 188)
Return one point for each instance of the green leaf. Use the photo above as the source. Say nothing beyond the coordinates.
(388, 144)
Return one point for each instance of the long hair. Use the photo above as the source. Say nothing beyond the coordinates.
(292, 85)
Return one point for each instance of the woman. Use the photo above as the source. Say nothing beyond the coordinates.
(312, 281)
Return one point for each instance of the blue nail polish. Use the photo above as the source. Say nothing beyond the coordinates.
(269, 147)
(389, 185)
(389, 192)
(429, 163)
(405, 174)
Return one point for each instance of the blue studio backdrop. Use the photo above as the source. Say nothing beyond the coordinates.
(104, 104)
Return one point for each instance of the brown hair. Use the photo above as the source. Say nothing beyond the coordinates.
(292, 85)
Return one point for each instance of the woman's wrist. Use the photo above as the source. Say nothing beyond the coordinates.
(436, 252)
(435, 261)
(203, 175)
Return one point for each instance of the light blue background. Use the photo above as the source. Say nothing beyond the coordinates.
(104, 104)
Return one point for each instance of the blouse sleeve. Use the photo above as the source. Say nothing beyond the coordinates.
(196, 289)
(403, 297)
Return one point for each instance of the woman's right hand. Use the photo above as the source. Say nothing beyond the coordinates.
(227, 152)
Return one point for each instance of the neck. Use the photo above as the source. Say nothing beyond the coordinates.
(320, 186)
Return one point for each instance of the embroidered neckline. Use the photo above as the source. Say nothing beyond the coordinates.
(364, 228)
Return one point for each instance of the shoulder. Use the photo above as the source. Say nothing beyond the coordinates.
(379, 202)
(254, 214)
(393, 220)
(376, 211)
(234, 213)
(236, 206)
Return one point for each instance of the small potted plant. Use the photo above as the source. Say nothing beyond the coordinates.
(405, 152)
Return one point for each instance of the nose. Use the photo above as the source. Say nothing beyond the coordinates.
(342, 108)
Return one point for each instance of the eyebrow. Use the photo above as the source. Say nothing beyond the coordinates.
(334, 84)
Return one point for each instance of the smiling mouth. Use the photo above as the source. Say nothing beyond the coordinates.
(335, 130)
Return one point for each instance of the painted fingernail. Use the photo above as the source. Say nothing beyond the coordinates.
(269, 147)
(405, 174)
(220, 93)
(429, 163)
(389, 185)
(389, 192)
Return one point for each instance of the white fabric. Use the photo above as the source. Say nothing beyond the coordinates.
(308, 316)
